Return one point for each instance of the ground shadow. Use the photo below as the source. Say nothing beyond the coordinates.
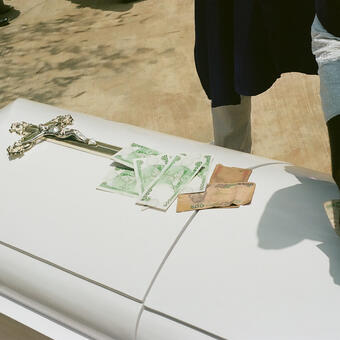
(296, 213)
(55, 64)
(107, 5)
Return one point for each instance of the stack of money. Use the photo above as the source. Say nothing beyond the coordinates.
(155, 179)
(228, 187)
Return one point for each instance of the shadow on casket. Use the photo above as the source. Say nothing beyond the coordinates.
(296, 213)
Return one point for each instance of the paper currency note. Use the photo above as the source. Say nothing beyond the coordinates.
(217, 196)
(148, 169)
(164, 190)
(200, 181)
(127, 155)
(333, 212)
(121, 180)
(225, 174)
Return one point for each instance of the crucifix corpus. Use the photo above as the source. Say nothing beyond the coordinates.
(56, 131)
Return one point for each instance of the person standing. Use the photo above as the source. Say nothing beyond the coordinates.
(326, 48)
(243, 46)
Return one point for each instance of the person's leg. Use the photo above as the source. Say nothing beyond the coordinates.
(326, 48)
(232, 125)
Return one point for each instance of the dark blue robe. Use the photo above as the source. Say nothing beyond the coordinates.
(243, 46)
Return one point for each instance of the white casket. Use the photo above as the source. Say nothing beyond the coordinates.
(98, 264)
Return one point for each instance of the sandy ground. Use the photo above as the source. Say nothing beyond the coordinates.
(133, 63)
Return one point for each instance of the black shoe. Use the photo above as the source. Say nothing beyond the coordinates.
(4, 22)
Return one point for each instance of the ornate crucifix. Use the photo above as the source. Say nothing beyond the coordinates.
(56, 131)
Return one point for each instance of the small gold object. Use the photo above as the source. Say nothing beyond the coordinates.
(56, 131)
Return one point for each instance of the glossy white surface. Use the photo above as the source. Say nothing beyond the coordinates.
(240, 273)
(83, 306)
(153, 326)
(266, 271)
(50, 206)
(37, 322)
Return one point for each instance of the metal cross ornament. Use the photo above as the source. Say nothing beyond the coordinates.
(56, 131)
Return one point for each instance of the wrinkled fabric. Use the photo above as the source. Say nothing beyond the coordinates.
(243, 46)
(328, 12)
(326, 48)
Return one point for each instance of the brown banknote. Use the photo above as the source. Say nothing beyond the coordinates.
(225, 174)
(333, 212)
(219, 195)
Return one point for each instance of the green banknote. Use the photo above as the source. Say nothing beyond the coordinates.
(148, 169)
(165, 188)
(199, 182)
(121, 180)
(127, 155)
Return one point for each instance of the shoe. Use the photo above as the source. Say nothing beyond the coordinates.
(4, 22)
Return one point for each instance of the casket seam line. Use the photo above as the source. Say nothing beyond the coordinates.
(139, 317)
(96, 283)
(167, 254)
(201, 330)
(173, 245)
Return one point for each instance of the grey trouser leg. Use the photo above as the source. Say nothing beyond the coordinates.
(232, 125)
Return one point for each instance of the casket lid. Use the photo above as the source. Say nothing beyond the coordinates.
(266, 271)
(50, 207)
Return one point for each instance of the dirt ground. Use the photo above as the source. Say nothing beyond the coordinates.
(133, 63)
